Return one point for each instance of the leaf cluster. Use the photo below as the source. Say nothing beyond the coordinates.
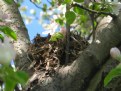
(11, 78)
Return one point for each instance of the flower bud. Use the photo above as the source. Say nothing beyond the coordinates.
(115, 52)
(7, 52)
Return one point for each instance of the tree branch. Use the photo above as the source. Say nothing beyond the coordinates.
(76, 77)
(92, 16)
(48, 1)
(93, 11)
(36, 5)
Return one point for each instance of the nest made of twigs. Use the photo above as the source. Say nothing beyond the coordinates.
(47, 56)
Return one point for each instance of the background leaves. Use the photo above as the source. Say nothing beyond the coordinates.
(70, 17)
(112, 74)
(8, 1)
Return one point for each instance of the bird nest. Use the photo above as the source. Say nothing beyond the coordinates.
(48, 56)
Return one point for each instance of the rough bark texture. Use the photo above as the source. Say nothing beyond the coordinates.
(77, 76)
(82, 73)
(16, 23)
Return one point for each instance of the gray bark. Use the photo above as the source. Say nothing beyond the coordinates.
(77, 76)
(16, 23)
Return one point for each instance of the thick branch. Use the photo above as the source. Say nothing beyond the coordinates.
(77, 76)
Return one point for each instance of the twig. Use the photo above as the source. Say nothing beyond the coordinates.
(88, 37)
(93, 11)
(67, 39)
(67, 42)
(92, 15)
(48, 1)
(36, 5)
(75, 40)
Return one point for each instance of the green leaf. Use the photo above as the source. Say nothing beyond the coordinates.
(44, 7)
(8, 1)
(52, 3)
(18, 4)
(78, 10)
(9, 84)
(59, 21)
(83, 18)
(60, 1)
(22, 77)
(53, 39)
(108, 8)
(1, 37)
(79, 1)
(70, 17)
(67, 1)
(11, 78)
(59, 35)
(7, 76)
(96, 6)
(38, 1)
(8, 31)
(56, 36)
(112, 74)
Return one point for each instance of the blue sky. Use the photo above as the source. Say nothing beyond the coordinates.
(34, 27)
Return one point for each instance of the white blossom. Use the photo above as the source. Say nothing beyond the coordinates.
(55, 17)
(116, 7)
(62, 8)
(7, 52)
(112, 1)
(28, 20)
(23, 8)
(98, 41)
(50, 28)
(50, 12)
(51, 16)
(115, 52)
(32, 11)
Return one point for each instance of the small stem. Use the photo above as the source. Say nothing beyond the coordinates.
(92, 15)
(67, 39)
(48, 1)
(36, 5)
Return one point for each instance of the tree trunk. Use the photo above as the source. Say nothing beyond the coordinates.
(85, 73)
(16, 23)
